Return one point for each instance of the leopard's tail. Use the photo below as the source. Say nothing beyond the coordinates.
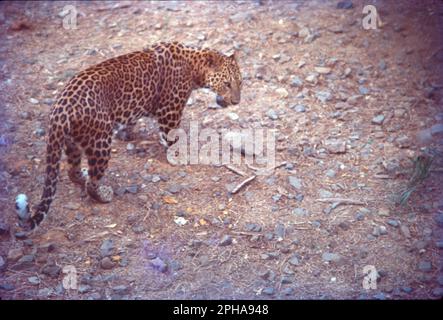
(55, 144)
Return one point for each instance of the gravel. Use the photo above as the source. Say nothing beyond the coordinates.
(425, 266)
(295, 182)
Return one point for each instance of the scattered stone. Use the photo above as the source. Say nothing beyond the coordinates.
(296, 82)
(295, 182)
(325, 193)
(7, 287)
(252, 227)
(106, 263)
(437, 292)
(282, 92)
(175, 188)
(312, 78)
(378, 119)
(331, 173)
(33, 101)
(405, 231)
(335, 146)
(331, 257)
(24, 262)
(294, 261)
(132, 189)
(384, 212)
(225, 241)
(72, 206)
(322, 70)
(425, 266)
(363, 90)
(268, 291)
(107, 248)
(300, 212)
(84, 288)
(51, 270)
(159, 265)
(15, 254)
(323, 96)
(121, 290)
(2, 263)
(120, 191)
(300, 108)
(272, 114)
(439, 219)
(288, 291)
(345, 5)
(437, 129)
(34, 280)
(393, 223)
(40, 132)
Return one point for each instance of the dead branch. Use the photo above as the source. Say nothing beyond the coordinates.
(235, 170)
(341, 201)
(242, 184)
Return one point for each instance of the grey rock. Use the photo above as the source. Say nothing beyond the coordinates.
(137, 229)
(296, 82)
(393, 223)
(40, 132)
(382, 65)
(288, 291)
(345, 5)
(331, 257)
(269, 291)
(294, 260)
(363, 90)
(280, 230)
(378, 119)
(226, 240)
(360, 215)
(300, 212)
(51, 270)
(15, 254)
(121, 290)
(2, 263)
(295, 182)
(175, 188)
(159, 265)
(241, 17)
(437, 129)
(24, 262)
(272, 114)
(84, 288)
(120, 191)
(155, 178)
(7, 286)
(335, 145)
(437, 292)
(425, 266)
(106, 263)
(4, 229)
(132, 189)
(300, 108)
(323, 96)
(253, 227)
(34, 280)
(439, 220)
(107, 248)
(325, 193)
(331, 173)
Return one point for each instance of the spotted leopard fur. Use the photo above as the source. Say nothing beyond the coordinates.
(155, 82)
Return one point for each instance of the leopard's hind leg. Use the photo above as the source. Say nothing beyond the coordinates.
(74, 154)
(98, 153)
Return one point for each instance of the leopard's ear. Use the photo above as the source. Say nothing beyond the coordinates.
(213, 59)
(234, 55)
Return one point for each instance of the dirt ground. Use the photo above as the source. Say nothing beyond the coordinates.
(352, 109)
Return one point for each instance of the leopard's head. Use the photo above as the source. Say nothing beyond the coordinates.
(224, 78)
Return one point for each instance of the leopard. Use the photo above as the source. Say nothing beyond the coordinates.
(154, 82)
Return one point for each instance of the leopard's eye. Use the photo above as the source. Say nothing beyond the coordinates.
(228, 84)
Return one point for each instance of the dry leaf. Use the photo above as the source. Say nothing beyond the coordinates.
(170, 200)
